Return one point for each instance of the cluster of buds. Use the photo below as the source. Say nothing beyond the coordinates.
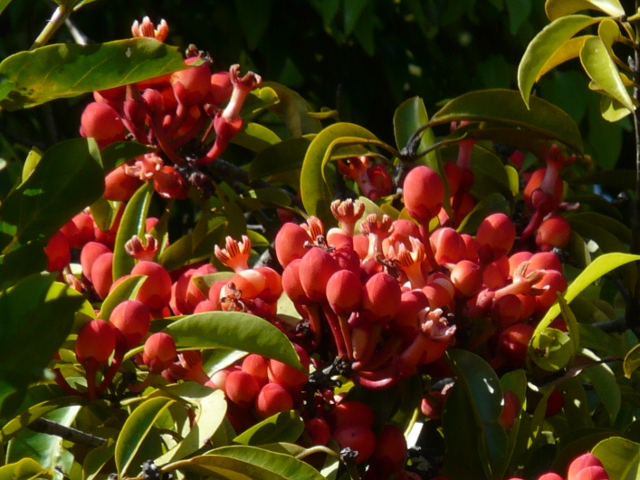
(168, 112)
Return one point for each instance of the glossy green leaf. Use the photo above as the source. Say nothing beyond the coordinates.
(125, 290)
(516, 382)
(96, 459)
(560, 8)
(67, 178)
(599, 267)
(271, 463)
(604, 381)
(484, 394)
(118, 153)
(571, 323)
(255, 137)
(550, 349)
(407, 119)
(68, 70)
(282, 427)
(135, 429)
(631, 361)
(24, 469)
(612, 110)
(616, 227)
(48, 450)
(620, 458)
(506, 107)
(316, 194)
(233, 330)
(569, 50)
(23, 261)
(211, 407)
(4, 4)
(281, 157)
(14, 426)
(603, 70)
(575, 405)
(132, 223)
(545, 46)
(34, 301)
(294, 110)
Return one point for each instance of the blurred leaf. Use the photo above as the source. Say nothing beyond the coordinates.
(132, 223)
(282, 427)
(571, 323)
(631, 361)
(505, 107)
(484, 393)
(316, 193)
(125, 290)
(135, 429)
(604, 381)
(617, 228)
(68, 178)
(24, 469)
(33, 302)
(293, 109)
(603, 70)
(68, 70)
(255, 137)
(559, 8)
(23, 261)
(620, 458)
(96, 459)
(280, 157)
(4, 4)
(518, 12)
(234, 330)
(575, 405)
(352, 13)
(253, 16)
(211, 407)
(544, 47)
(117, 153)
(407, 119)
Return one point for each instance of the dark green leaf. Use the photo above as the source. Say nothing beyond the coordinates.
(253, 16)
(22, 262)
(281, 157)
(282, 427)
(506, 107)
(631, 361)
(293, 109)
(234, 330)
(407, 119)
(68, 70)
(132, 223)
(68, 178)
(604, 381)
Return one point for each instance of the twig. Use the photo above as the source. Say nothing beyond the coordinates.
(58, 18)
(42, 425)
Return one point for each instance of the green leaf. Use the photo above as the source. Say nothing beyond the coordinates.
(255, 137)
(23, 261)
(33, 301)
(96, 459)
(550, 349)
(136, 428)
(282, 427)
(620, 458)
(24, 469)
(316, 193)
(617, 228)
(505, 107)
(211, 407)
(118, 153)
(234, 330)
(631, 361)
(68, 178)
(484, 395)
(596, 269)
(68, 70)
(604, 381)
(132, 223)
(518, 12)
(407, 119)
(4, 4)
(560, 8)
(253, 16)
(545, 46)
(125, 290)
(246, 462)
(294, 110)
(281, 157)
(603, 70)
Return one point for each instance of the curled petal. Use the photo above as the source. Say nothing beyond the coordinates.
(235, 254)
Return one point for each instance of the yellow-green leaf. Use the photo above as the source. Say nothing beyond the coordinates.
(602, 69)
(24, 469)
(544, 46)
(560, 8)
(567, 51)
(631, 361)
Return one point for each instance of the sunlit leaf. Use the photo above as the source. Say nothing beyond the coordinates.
(602, 69)
(559, 8)
(612, 110)
(282, 427)
(96, 459)
(569, 50)
(506, 107)
(68, 70)
(620, 458)
(544, 47)
(631, 361)
(24, 469)
(550, 349)
(135, 429)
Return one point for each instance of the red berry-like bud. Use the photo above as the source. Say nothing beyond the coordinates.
(290, 378)
(550, 476)
(272, 399)
(155, 291)
(119, 186)
(103, 123)
(466, 276)
(58, 252)
(241, 388)
(79, 230)
(291, 283)
(381, 297)
(592, 473)
(102, 274)
(257, 366)
(344, 291)
(132, 318)
(513, 343)
(318, 431)
(580, 463)
(316, 268)
(350, 413)
(191, 85)
(159, 352)
(423, 192)
(432, 404)
(554, 232)
(507, 310)
(555, 402)
(543, 261)
(90, 252)
(495, 236)
(359, 439)
(221, 88)
(510, 410)
(447, 245)
(96, 340)
(391, 450)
